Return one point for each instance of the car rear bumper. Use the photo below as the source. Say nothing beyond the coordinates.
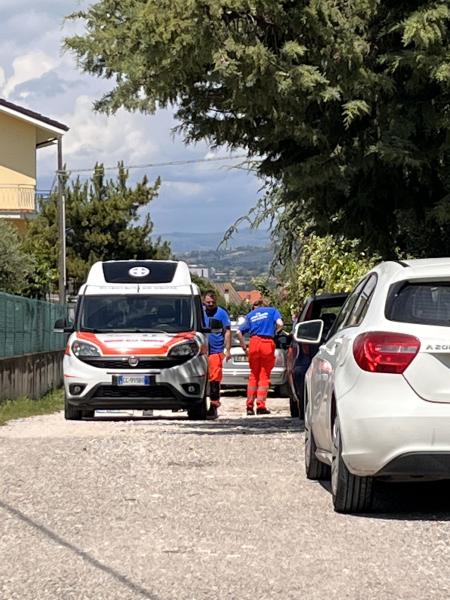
(233, 377)
(389, 431)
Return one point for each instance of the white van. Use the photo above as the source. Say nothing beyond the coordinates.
(138, 341)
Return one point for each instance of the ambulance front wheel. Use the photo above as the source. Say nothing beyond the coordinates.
(71, 413)
(199, 411)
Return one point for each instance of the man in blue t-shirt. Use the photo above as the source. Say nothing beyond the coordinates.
(219, 347)
(262, 323)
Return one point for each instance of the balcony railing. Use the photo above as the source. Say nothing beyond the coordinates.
(17, 198)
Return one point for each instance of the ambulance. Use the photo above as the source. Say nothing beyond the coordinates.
(138, 341)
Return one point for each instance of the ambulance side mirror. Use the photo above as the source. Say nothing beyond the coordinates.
(62, 326)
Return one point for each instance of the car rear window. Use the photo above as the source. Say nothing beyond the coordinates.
(424, 303)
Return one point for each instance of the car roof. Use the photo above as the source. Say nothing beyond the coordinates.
(422, 268)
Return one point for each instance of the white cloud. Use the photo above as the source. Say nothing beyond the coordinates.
(184, 189)
(95, 137)
(35, 74)
(26, 68)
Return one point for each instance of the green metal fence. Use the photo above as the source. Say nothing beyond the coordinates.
(26, 326)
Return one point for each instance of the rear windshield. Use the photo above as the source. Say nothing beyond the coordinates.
(137, 312)
(424, 303)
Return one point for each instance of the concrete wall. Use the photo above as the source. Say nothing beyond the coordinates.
(30, 375)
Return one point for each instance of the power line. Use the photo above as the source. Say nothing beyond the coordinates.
(163, 164)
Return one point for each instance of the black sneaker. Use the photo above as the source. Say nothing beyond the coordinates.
(250, 412)
(262, 411)
(212, 412)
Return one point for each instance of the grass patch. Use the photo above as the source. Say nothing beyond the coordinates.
(24, 407)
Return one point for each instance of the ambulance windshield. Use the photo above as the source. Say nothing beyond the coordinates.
(136, 313)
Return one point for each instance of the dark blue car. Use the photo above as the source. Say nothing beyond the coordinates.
(325, 307)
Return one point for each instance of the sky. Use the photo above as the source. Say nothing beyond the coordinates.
(35, 73)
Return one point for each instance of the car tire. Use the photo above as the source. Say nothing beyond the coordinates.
(199, 411)
(293, 406)
(283, 390)
(71, 413)
(89, 413)
(301, 408)
(314, 468)
(351, 493)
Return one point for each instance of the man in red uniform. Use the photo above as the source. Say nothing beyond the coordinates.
(262, 323)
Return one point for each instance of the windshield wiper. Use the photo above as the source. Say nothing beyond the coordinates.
(136, 330)
(94, 330)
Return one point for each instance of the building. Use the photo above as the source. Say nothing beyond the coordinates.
(250, 297)
(22, 133)
(229, 293)
(199, 271)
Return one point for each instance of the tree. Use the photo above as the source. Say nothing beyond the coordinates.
(327, 265)
(346, 102)
(15, 263)
(102, 223)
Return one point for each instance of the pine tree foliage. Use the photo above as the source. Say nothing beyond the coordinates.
(346, 101)
(102, 223)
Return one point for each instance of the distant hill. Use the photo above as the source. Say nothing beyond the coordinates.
(186, 242)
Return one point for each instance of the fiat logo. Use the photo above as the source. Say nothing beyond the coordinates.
(133, 361)
(139, 272)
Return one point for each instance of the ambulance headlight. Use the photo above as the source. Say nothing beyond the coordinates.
(186, 349)
(84, 349)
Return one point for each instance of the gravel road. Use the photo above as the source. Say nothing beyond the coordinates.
(168, 509)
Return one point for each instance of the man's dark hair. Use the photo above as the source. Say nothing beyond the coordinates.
(257, 303)
(211, 293)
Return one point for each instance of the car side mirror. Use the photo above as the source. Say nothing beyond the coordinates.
(309, 332)
(62, 326)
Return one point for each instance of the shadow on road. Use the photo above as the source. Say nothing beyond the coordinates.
(85, 556)
(424, 501)
(240, 426)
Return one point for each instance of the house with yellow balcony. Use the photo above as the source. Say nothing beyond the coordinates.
(22, 133)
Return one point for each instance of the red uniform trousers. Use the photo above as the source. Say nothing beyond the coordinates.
(261, 356)
(215, 362)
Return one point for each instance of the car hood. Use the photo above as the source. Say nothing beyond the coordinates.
(143, 344)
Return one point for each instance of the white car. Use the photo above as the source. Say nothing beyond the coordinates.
(236, 371)
(377, 393)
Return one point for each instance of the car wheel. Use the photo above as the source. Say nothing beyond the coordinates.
(71, 413)
(351, 493)
(89, 413)
(315, 469)
(284, 390)
(293, 406)
(199, 411)
(301, 408)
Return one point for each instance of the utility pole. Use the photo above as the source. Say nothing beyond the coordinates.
(61, 226)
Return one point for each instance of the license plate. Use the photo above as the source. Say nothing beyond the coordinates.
(240, 359)
(132, 380)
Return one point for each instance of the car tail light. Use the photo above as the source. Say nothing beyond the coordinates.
(382, 352)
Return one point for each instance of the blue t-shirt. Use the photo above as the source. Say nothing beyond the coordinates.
(261, 321)
(216, 341)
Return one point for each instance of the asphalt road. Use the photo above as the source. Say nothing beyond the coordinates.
(172, 509)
